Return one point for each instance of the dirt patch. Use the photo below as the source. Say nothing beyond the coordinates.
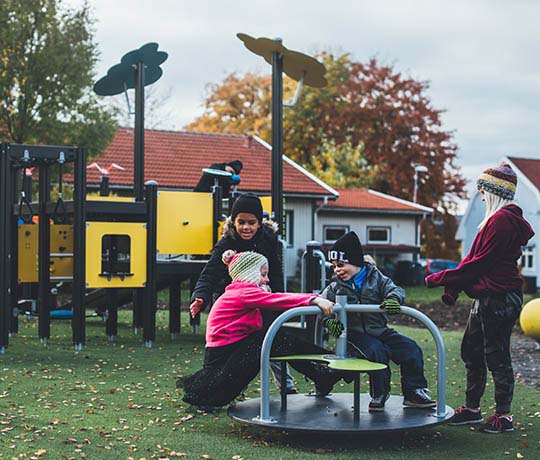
(525, 351)
(526, 360)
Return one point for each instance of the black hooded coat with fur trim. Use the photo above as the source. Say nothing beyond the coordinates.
(215, 277)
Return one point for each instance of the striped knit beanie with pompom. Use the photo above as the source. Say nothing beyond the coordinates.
(244, 266)
(500, 181)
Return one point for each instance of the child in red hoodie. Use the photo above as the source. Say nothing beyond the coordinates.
(234, 335)
(490, 275)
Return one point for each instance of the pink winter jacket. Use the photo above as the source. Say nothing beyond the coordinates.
(236, 313)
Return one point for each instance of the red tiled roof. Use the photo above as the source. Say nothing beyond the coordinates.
(175, 158)
(530, 167)
(365, 199)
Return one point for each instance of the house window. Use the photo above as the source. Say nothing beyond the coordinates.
(289, 228)
(527, 258)
(378, 235)
(332, 233)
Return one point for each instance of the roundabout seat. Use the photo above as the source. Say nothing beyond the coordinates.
(339, 412)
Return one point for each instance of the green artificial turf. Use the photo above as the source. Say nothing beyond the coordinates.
(118, 401)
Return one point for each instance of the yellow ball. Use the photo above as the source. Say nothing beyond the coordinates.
(530, 319)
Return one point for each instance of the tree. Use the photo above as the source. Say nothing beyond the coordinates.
(241, 104)
(364, 104)
(438, 236)
(343, 165)
(47, 59)
(155, 99)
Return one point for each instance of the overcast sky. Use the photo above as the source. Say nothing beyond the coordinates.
(480, 57)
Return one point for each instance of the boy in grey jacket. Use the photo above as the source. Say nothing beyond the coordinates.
(368, 334)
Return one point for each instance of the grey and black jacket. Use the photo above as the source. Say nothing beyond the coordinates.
(375, 289)
(215, 277)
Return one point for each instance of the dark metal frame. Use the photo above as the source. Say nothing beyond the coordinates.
(277, 139)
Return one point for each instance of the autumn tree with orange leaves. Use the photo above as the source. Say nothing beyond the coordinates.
(365, 107)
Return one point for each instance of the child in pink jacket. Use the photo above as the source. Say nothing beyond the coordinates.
(234, 335)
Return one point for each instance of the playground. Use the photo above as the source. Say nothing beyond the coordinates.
(118, 401)
(116, 398)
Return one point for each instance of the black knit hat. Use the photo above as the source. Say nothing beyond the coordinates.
(236, 165)
(250, 203)
(347, 249)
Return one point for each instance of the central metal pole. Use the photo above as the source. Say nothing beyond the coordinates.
(277, 138)
(138, 161)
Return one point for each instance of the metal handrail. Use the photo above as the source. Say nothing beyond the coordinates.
(285, 316)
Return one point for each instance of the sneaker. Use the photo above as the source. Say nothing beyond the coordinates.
(497, 424)
(292, 391)
(419, 398)
(325, 383)
(377, 403)
(465, 416)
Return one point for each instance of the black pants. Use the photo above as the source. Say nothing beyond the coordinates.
(390, 346)
(486, 345)
(228, 370)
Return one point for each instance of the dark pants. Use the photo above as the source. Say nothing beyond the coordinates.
(389, 346)
(228, 370)
(486, 345)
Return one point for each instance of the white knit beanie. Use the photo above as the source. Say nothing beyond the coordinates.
(244, 266)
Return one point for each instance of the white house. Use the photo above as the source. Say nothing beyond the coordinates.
(528, 198)
(388, 227)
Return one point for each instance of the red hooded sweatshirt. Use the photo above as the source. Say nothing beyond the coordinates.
(491, 265)
(236, 313)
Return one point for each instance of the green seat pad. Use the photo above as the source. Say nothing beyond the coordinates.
(355, 364)
(344, 364)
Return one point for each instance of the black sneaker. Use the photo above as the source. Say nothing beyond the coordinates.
(419, 398)
(377, 403)
(465, 416)
(325, 382)
(292, 391)
(497, 424)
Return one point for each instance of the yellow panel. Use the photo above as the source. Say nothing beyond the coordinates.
(221, 224)
(28, 253)
(94, 236)
(109, 198)
(267, 204)
(184, 222)
(61, 243)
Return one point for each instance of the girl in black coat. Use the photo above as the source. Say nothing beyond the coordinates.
(244, 231)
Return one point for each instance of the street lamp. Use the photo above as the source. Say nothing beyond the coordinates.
(417, 169)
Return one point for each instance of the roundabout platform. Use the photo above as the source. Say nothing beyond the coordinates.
(334, 413)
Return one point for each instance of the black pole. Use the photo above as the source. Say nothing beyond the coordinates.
(111, 312)
(194, 322)
(313, 280)
(175, 304)
(27, 186)
(277, 138)
(78, 325)
(138, 161)
(5, 310)
(44, 256)
(104, 185)
(138, 307)
(150, 289)
(217, 196)
(14, 278)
